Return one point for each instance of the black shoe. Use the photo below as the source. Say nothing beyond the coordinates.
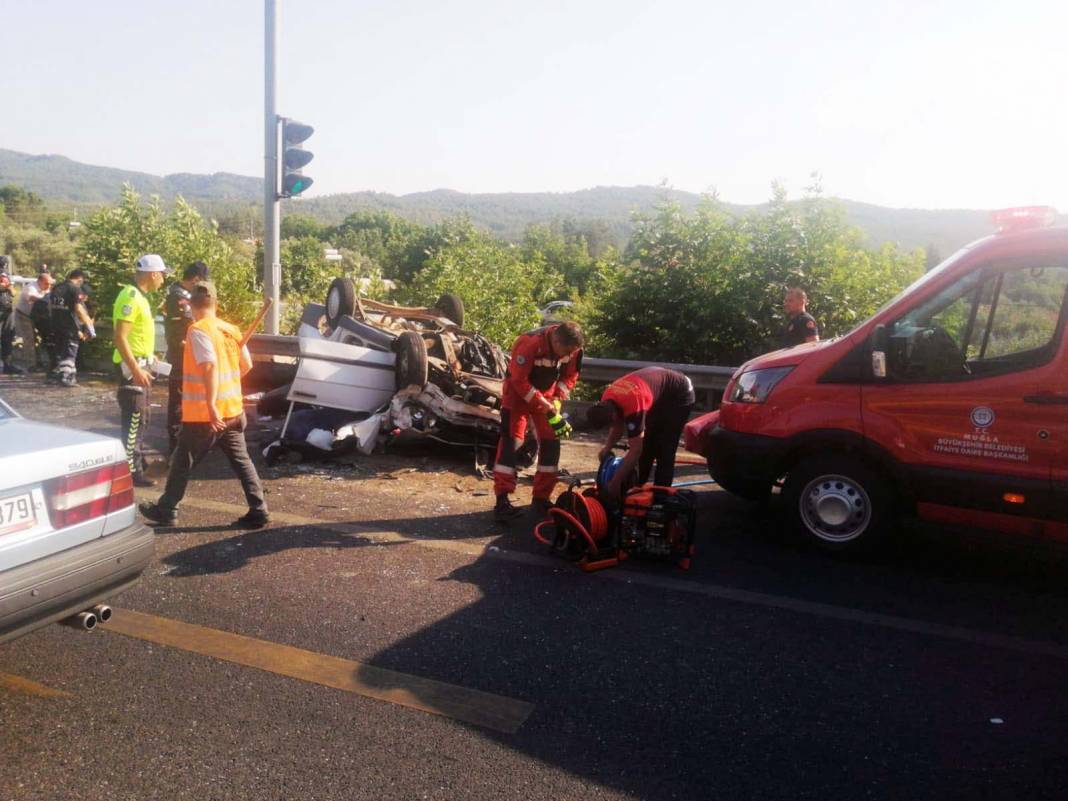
(252, 520)
(541, 506)
(154, 514)
(141, 480)
(504, 511)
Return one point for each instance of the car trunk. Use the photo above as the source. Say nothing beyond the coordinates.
(35, 458)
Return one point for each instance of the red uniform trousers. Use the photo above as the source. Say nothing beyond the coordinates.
(514, 413)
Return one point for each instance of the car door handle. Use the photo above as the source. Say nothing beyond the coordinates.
(1047, 399)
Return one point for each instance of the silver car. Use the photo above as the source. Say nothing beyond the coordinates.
(69, 537)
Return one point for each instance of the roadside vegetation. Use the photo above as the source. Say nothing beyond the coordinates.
(692, 285)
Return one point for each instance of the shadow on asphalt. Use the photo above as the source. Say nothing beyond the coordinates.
(674, 695)
(234, 553)
(666, 695)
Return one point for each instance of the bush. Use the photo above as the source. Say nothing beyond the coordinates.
(707, 288)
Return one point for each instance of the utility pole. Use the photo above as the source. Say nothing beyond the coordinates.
(272, 269)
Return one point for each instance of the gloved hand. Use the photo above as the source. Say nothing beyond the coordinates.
(558, 405)
(560, 426)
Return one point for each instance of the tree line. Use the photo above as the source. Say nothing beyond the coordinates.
(697, 285)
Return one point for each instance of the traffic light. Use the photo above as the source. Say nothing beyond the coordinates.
(294, 157)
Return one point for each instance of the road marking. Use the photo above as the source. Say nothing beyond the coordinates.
(814, 608)
(17, 684)
(479, 708)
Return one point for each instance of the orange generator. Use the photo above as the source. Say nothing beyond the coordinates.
(653, 523)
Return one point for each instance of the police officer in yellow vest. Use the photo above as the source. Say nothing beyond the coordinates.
(135, 349)
(212, 412)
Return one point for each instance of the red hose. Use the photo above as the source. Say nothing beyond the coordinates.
(594, 511)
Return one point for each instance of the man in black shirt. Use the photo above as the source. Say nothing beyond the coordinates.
(176, 321)
(650, 406)
(68, 310)
(802, 325)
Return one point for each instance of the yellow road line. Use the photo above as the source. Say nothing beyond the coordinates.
(460, 703)
(17, 684)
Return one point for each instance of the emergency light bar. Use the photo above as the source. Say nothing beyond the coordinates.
(1023, 217)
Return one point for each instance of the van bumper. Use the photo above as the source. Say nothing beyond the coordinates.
(63, 584)
(744, 463)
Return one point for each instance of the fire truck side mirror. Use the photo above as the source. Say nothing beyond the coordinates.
(878, 351)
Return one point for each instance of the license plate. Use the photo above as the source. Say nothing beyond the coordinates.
(16, 513)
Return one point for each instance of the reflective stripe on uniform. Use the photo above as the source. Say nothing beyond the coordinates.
(530, 394)
(504, 469)
(562, 390)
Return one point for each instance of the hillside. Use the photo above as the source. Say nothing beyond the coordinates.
(59, 179)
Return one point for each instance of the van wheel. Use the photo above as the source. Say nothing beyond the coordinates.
(452, 307)
(341, 300)
(411, 364)
(839, 503)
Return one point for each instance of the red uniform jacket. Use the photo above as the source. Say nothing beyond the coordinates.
(533, 369)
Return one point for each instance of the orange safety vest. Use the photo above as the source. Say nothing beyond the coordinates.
(227, 341)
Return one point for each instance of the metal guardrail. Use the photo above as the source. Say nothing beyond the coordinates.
(594, 370)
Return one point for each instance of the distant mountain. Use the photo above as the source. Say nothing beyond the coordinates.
(508, 214)
(57, 178)
(60, 178)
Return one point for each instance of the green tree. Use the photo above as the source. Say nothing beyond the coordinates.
(501, 292)
(705, 287)
(114, 237)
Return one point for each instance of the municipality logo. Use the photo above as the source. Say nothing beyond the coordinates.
(982, 417)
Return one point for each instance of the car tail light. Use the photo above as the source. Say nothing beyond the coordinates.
(1023, 217)
(94, 493)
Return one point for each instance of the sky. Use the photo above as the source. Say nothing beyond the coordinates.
(921, 104)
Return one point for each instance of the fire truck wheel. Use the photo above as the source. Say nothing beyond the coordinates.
(341, 300)
(411, 364)
(838, 503)
(452, 307)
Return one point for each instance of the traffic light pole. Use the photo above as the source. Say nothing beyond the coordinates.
(272, 268)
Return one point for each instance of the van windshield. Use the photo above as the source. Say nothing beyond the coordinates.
(928, 276)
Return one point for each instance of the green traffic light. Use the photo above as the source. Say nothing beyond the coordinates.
(295, 183)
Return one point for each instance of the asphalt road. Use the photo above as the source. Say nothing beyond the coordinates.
(937, 669)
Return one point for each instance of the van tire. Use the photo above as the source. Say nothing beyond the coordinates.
(838, 503)
(451, 306)
(411, 365)
(341, 300)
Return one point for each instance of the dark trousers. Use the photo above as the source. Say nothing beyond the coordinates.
(133, 408)
(663, 427)
(174, 407)
(7, 336)
(65, 344)
(195, 441)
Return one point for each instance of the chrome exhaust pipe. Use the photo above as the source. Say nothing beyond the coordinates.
(102, 612)
(86, 621)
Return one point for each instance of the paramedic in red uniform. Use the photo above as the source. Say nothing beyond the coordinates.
(541, 374)
(650, 405)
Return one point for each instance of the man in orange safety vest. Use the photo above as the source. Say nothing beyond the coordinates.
(212, 412)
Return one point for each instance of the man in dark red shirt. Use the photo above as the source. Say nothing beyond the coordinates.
(541, 373)
(650, 406)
